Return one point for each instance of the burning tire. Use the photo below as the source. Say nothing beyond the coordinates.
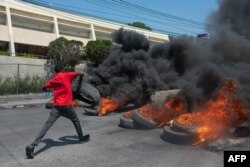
(142, 121)
(127, 121)
(186, 123)
(183, 128)
(177, 137)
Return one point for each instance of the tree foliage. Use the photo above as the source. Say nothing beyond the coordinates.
(97, 51)
(64, 51)
(140, 25)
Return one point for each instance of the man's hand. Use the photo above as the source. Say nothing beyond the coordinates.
(80, 73)
(45, 89)
(47, 93)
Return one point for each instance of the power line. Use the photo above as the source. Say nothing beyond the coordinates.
(76, 12)
(63, 8)
(150, 14)
(163, 14)
(177, 22)
(155, 21)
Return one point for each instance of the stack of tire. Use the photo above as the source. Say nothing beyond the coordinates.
(178, 133)
(135, 120)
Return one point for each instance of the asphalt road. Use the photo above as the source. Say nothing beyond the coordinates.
(110, 145)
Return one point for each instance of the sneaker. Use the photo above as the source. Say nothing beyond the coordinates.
(30, 151)
(84, 138)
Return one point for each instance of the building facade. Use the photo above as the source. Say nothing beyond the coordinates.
(28, 28)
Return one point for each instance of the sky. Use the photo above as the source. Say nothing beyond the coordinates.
(174, 17)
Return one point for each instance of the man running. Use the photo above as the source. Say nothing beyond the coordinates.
(63, 97)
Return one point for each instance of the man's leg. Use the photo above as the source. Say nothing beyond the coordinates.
(70, 113)
(54, 115)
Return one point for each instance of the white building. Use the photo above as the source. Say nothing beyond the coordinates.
(28, 28)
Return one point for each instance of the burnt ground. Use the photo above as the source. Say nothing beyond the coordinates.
(110, 145)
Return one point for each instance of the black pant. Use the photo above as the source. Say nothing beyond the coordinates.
(65, 111)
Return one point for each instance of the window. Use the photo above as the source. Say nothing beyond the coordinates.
(32, 24)
(24, 50)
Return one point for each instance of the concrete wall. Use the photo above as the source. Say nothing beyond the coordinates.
(4, 35)
(27, 66)
(32, 37)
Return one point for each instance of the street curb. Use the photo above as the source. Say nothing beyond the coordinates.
(23, 103)
(22, 96)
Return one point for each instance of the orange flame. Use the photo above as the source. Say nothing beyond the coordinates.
(171, 123)
(176, 107)
(190, 119)
(154, 113)
(75, 104)
(160, 115)
(223, 114)
(175, 104)
(129, 114)
(108, 105)
(219, 116)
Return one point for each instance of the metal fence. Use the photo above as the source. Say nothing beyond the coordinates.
(26, 78)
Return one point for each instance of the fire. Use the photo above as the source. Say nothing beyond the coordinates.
(108, 105)
(154, 113)
(176, 107)
(163, 114)
(75, 104)
(171, 123)
(218, 116)
(223, 114)
(129, 114)
(175, 104)
(190, 119)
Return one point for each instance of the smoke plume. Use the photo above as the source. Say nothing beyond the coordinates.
(134, 70)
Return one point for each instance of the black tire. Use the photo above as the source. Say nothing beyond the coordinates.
(176, 137)
(82, 103)
(88, 93)
(127, 122)
(182, 128)
(143, 122)
(90, 111)
(49, 105)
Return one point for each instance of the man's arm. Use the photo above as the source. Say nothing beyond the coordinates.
(73, 75)
(48, 85)
(80, 73)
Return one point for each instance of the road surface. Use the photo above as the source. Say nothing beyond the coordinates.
(110, 145)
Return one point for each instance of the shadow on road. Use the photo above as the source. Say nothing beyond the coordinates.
(65, 140)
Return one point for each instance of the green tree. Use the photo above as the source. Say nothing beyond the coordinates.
(97, 51)
(64, 51)
(140, 25)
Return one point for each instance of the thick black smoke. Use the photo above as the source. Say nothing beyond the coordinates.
(134, 70)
